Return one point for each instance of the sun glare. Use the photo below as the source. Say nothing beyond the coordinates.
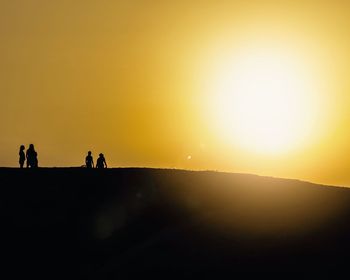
(265, 100)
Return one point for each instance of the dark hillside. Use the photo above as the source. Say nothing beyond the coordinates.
(72, 223)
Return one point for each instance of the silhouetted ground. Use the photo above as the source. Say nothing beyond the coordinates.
(74, 223)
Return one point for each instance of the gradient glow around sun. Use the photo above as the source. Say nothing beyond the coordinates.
(265, 100)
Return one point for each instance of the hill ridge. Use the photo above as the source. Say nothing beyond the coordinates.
(98, 224)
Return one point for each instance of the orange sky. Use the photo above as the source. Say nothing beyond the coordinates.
(136, 80)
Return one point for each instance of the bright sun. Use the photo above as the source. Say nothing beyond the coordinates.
(265, 100)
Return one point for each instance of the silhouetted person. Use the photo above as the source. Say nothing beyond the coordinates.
(32, 157)
(89, 161)
(22, 156)
(101, 162)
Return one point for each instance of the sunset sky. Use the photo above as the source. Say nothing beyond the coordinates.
(241, 86)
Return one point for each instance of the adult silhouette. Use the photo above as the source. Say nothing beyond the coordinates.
(101, 162)
(32, 157)
(89, 161)
(22, 156)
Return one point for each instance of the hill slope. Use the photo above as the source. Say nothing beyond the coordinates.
(125, 223)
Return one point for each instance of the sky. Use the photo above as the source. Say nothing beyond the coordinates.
(239, 86)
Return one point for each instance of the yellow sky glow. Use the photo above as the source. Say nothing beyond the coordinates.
(179, 84)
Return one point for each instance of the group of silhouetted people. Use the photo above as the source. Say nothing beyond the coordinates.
(100, 163)
(31, 156)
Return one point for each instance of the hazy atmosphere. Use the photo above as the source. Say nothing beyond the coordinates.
(242, 86)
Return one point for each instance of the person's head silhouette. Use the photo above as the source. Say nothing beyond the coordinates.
(31, 147)
(89, 153)
(101, 155)
(22, 147)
